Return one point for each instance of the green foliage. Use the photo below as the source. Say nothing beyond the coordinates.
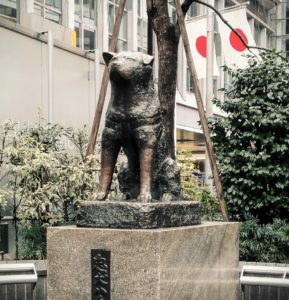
(252, 143)
(49, 182)
(33, 242)
(6, 131)
(189, 183)
(209, 203)
(46, 176)
(264, 242)
(210, 206)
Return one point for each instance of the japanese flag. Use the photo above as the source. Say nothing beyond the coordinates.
(232, 46)
(197, 34)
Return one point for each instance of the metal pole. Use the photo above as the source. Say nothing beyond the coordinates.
(203, 119)
(18, 7)
(104, 82)
(209, 84)
(96, 73)
(50, 76)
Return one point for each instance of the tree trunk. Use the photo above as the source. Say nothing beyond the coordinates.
(167, 40)
(167, 183)
(168, 36)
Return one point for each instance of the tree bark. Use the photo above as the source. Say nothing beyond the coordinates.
(168, 36)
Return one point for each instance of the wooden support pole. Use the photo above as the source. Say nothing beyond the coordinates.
(104, 82)
(201, 110)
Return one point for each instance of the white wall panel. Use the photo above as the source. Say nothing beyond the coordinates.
(24, 77)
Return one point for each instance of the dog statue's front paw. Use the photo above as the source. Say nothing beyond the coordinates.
(145, 197)
(99, 196)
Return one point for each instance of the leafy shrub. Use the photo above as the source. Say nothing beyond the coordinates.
(6, 136)
(33, 242)
(48, 182)
(264, 242)
(209, 203)
(46, 176)
(189, 183)
(252, 143)
(210, 206)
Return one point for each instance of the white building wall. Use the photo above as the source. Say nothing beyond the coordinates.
(21, 89)
(24, 82)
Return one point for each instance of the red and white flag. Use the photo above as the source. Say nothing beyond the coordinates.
(197, 34)
(233, 48)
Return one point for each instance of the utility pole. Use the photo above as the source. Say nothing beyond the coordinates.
(50, 76)
(209, 84)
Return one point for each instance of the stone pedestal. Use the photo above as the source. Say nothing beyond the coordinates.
(138, 215)
(194, 262)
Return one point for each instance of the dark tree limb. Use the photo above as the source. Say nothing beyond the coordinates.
(149, 6)
(186, 5)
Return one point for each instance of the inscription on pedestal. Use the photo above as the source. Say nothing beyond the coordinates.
(100, 274)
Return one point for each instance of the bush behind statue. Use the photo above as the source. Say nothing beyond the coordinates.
(209, 203)
(252, 143)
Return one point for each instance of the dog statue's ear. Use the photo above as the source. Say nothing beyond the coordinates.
(148, 60)
(107, 56)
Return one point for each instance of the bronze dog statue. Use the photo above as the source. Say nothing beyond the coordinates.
(133, 121)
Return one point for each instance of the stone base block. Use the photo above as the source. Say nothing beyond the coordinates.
(194, 262)
(116, 214)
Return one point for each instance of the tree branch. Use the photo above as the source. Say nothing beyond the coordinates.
(149, 6)
(189, 2)
(186, 5)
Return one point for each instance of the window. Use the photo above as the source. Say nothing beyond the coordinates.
(122, 37)
(287, 48)
(142, 24)
(287, 30)
(229, 3)
(8, 9)
(194, 143)
(228, 82)
(85, 16)
(258, 8)
(194, 10)
(287, 19)
(172, 11)
(258, 33)
(49, 9)
(190, 87)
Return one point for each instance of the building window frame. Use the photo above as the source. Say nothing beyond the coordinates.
(172, 11)
(83, 24)
(10, 9)
(142, 27)
(189, 82)
(46, 10)
(194, 11)
(122, 41)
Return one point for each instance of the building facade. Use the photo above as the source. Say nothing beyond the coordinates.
(63, 83)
